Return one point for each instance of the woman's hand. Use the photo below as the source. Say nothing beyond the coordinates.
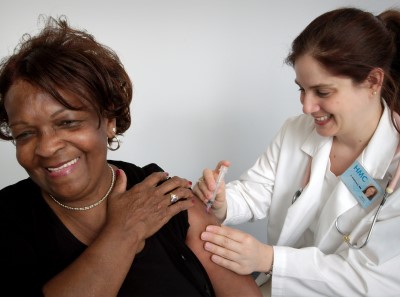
(236, 250)
(146, 207)
(205, 187)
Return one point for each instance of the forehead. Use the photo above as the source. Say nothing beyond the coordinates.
(308, 67)
(23, 93)
(311, 73)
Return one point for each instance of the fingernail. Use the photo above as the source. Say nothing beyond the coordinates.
(207, 246)
(117, 172)
(190, 183)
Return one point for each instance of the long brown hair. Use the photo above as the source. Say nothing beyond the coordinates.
(351, 42)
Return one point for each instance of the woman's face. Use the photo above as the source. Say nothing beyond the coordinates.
(64, 151)
(370, 191)
(339, 107)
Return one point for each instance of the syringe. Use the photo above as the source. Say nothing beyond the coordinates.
(222, 170)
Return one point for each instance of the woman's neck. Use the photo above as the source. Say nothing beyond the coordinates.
(347, 148)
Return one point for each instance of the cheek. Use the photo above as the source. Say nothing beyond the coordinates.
(92, 140)
(24, 156)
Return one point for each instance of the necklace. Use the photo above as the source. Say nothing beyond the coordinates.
(91, 205)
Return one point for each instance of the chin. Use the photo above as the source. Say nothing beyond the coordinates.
(325, 132)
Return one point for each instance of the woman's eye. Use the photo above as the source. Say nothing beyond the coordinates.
(68, 123)
(322, 94)
(22, 135)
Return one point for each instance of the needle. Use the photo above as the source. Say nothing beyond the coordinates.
(222, 170)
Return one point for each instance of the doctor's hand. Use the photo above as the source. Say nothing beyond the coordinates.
(205, 186)
(236, 250)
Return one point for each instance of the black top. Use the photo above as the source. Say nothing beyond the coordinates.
(35, 246)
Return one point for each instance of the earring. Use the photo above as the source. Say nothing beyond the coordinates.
(116, 140)
(114, 130)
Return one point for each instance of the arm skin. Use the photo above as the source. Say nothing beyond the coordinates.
(225, 282)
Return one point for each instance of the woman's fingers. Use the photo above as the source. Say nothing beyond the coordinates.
(224, 237)
(207, 182)
(148, 205)
(236, 250)
(228, 264)
(224, 252)
(202, 188)
(222, 163)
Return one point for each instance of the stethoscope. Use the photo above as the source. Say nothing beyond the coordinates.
(346, 236)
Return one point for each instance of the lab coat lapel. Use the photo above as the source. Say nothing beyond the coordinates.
(296, 222)
(376, 159)
(338, 203)
(381, 149)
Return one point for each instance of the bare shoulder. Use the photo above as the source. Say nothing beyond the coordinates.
(224, 281)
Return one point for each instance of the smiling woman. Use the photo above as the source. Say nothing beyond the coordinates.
(83, 225)
(347, 66)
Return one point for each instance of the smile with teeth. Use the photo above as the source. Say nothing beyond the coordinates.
(324, 118)
(63, 166)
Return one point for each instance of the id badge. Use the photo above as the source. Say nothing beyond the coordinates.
(363, 187)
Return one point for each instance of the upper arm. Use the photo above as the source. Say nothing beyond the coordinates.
(224, 281)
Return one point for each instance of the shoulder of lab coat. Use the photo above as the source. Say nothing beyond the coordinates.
(249, 197)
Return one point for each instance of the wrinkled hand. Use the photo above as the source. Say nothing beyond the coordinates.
(146, 207)
(236, 250)
(205, 187)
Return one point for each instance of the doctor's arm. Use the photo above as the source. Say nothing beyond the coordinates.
(370, 271)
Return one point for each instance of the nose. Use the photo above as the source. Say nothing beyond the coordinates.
(48, 143)
(310, 103)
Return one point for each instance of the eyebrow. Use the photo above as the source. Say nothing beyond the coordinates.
(53, 115)
(316, 86)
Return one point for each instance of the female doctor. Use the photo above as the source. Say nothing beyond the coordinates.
(325, 237)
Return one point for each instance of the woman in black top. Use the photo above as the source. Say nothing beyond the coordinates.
(81, 225)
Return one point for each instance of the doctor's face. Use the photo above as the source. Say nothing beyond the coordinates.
(338, 105)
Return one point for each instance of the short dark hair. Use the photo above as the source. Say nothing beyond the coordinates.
(61, 58)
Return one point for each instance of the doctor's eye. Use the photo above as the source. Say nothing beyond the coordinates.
(302, 94)
(322, 94)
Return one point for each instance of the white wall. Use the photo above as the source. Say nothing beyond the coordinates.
(209, 77)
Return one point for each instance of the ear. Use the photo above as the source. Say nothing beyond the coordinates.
(111, 125)
(375, 80)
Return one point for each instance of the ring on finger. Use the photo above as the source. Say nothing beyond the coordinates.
(174, 198)
(201, 179)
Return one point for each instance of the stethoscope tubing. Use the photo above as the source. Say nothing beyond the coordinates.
(346, 237)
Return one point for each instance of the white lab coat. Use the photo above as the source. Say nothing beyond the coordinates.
(319, 263)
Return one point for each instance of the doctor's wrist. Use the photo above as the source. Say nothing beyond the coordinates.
(220, 213)
(268, 263)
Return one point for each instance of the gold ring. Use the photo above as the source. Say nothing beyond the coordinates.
(174, 198)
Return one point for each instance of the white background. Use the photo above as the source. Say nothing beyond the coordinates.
(209, 77)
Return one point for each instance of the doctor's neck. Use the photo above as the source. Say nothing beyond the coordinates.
(358, 137)
(347, 147)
